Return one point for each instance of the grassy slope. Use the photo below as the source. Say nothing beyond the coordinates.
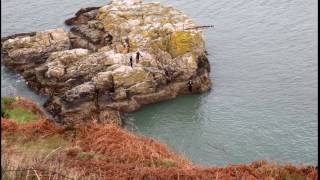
(43, 150)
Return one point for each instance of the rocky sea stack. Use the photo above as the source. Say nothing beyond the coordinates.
(87, 72)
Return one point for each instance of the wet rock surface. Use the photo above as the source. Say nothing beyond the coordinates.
(116, 58)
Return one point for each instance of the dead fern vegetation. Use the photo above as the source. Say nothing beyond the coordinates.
(46, 150)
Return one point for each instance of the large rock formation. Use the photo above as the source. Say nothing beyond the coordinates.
(87, 71)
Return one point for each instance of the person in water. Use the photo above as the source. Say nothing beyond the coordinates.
(131, 61)
(190, 85)
(138, 56)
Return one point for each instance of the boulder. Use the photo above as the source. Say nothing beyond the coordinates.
(34, 49)
(87, 72)
(104, 80)
(142, 88)
(126, 76)
(120, 94)
(85, 90)
(83, 16)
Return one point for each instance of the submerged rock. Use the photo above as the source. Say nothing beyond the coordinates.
(88, 72)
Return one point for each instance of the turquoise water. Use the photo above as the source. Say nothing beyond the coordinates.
(263, 56)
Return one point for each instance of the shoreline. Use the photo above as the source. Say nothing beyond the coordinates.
(109, 140)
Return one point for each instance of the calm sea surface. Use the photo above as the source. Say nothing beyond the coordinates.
(263, 56)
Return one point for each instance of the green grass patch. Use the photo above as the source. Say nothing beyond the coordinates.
(85, 156)
(5, 102)
(20, 115)
(294, 177)
(45, 144)
(166, 164)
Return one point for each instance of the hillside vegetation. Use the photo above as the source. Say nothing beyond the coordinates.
(40, 149)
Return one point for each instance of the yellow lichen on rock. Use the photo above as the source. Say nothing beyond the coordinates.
(182, 42)
(150, 25)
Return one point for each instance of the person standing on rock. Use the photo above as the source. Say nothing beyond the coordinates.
(131, 61)
(127, 44)
(190, 85)
(138, 56)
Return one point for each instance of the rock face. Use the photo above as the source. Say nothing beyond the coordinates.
(87, 72)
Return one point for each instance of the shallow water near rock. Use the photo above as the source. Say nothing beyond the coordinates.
(263, 56)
